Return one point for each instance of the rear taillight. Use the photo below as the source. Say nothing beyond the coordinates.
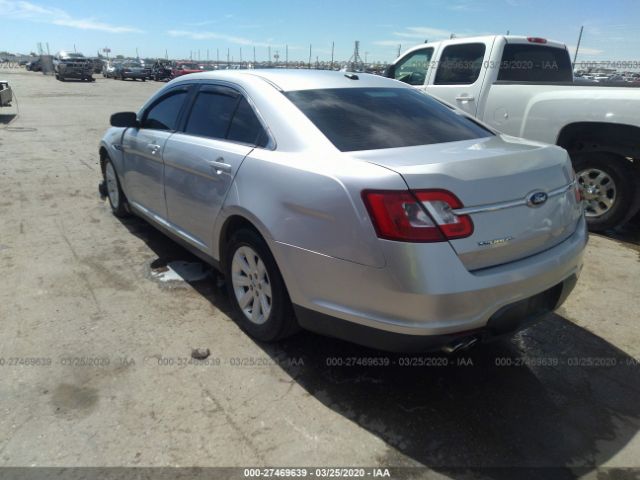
(419, 216)
(536, 40)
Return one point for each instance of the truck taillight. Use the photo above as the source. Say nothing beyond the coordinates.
(419, 216)
(536, 40)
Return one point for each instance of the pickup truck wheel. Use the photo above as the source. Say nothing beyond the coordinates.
(259, 298)
(116, 196)
(608, 192)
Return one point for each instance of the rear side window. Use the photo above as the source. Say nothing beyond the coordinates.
(377, 118)
(211, 114)
(460, 64)
(535, 63)
(164, 114)
(245, 126)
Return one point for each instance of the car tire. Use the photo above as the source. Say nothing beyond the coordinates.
(115, 195)
(252, 273)
(609, 191)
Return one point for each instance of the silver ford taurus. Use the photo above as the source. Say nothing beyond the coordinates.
(351, 205)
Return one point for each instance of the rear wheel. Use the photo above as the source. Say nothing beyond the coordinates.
(608, 185)
(116, 196)
(259, 298)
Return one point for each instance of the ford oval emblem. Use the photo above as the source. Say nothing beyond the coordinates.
(536, 199)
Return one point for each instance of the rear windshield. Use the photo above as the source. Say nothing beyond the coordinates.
(376, 118)
(534, 63)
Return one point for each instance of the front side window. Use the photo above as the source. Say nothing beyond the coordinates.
(460, 64)
(375, 118)
(412, 69)
(211, 113)
(163, 115)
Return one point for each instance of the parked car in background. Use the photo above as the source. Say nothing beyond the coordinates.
(351, 205)
(109, 69)
(132, 69)
(98, 64)
(184, 69)
(523, 86)
(34, 65)
(72, 65)
(6, 95)
(161, 71)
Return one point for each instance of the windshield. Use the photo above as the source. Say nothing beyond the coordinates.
(376, 118)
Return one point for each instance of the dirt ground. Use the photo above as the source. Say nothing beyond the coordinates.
(95, 365)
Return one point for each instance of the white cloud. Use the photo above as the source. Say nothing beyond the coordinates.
(387, 43)
(424, 33)
(584, 51)
(218, 36)
(29, 11)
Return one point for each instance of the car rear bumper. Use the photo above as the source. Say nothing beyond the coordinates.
(135, 75)
(506, 321)
(425, 291)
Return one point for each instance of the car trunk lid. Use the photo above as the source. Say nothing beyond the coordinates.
(519, 194)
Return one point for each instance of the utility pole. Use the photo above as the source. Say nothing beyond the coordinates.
(166, 54)
(228, 53)
(254, 57)
(575, 56)
(399, 49)
(333, 44)
(309, 56)
(137, 56)
(217, 57)
(269, 50)
(74, 48)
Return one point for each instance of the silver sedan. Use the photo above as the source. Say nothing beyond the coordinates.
(351, 205)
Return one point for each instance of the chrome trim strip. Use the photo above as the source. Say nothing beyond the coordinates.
(492, 207)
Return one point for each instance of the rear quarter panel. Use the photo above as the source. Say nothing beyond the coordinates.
(309, 202)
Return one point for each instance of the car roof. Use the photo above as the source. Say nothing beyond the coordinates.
(290, 79)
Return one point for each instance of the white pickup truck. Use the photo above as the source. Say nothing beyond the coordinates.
(523, 86)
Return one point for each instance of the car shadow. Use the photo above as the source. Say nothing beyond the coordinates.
(555, 395)
(7, 118)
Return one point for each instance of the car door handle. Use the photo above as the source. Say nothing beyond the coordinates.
(464, 98)
(219, 166)
(153, 148)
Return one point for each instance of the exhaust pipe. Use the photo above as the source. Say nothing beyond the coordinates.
(460, 345)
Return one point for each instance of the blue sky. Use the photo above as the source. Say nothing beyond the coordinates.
(612, 27)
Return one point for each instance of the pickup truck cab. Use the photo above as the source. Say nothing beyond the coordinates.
(523, 86)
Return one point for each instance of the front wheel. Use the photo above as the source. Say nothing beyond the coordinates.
(259, 298)
(608, 185)
(116, 196)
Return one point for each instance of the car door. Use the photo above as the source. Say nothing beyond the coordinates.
(460, 74)
(202, 159)
(143, 166)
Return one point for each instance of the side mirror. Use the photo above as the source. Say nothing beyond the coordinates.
(124, 119)
(390, 72)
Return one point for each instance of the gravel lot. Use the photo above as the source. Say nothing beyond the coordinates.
(95, 350)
